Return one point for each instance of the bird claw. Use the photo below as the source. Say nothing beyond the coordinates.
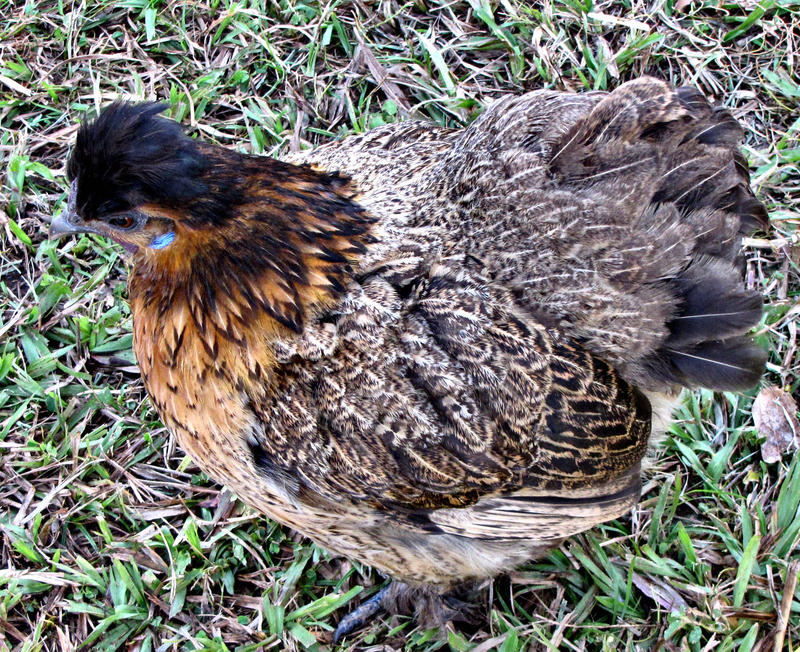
(361, 615)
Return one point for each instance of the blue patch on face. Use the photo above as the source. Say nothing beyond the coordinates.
(163, 240)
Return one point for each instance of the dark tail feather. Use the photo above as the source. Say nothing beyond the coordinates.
(713, 304)
(708, 345)
(730, 365)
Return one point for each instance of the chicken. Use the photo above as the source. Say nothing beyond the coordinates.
(438, 352)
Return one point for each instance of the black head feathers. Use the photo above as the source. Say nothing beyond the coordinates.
(130, 155)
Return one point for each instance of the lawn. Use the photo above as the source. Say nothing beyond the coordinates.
(111, 538)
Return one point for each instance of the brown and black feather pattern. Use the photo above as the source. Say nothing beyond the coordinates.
(435, 350)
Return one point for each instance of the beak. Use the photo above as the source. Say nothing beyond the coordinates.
(68, 222)
(61, 225)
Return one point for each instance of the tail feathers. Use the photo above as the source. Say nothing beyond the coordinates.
(713, 304)
(730, 365)
(667, 164)
(707, 343)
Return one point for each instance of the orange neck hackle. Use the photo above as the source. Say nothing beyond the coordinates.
(208, 305)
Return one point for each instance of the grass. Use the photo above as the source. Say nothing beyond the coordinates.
(111, 537)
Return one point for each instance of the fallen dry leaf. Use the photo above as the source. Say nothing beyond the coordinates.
(775, 415)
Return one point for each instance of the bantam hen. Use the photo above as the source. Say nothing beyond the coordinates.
(438, 352)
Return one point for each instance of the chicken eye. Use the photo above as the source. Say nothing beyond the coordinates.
(122, 222)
